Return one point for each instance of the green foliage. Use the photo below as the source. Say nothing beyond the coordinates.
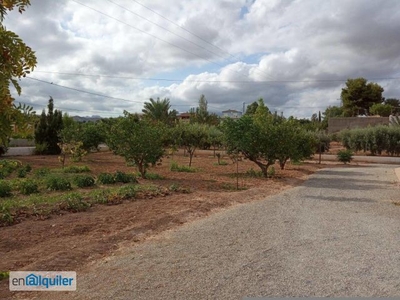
(265, 138)
(76, 169)
(48, 129)
(17, 60)
(153, 176)
(358, 96)
(345, 156)
(4, 275)
(74, 202)
(251, 109)
(5, 189)
(124, 178)
(375, 140)
(191, 137)
(84, 181)
(7, 167)
(41, 148)
(29, 187)
(139, 142)
(331, 112)
(42, 172)
(21, 173)
(106, 178)
(56, 183)
(176, 168)
(201, 115)
(159, 111)
(253, 173)
(383, 110)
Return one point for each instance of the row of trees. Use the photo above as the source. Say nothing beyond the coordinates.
(375, 140)
(262, 138)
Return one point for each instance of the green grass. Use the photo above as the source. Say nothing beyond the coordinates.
(177, 168)
(221, 163)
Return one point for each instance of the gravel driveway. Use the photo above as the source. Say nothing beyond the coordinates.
(337, 235)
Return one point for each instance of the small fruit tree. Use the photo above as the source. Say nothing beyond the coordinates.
(138, 141)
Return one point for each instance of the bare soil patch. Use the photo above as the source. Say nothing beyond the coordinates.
(71, 240)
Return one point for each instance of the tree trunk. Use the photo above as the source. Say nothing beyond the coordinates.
(263, 167)
(190, 157)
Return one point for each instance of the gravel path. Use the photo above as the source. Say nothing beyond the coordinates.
(337, 235)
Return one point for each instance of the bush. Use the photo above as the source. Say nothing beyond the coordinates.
(124, 178)
(106, 178)
(29, 187)
(153, 176)
(58, 184)
(253, 173)
(74, 202)
(41, 148)
(345, 156)
(127, 192)
(21, 173)
(84, 181)
(8, 166)
(76, 169)
(5, 189)
(177, 168)
(42, 172)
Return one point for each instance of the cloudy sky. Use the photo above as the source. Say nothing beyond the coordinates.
(100, 57)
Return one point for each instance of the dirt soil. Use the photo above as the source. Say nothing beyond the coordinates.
(67, 242)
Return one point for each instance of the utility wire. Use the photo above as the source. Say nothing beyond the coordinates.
(152, 35)
(235, 58)
(166, 29)
(210, 81)
(82, 91)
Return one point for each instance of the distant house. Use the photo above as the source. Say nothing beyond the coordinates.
(184, 117)
(231, 113)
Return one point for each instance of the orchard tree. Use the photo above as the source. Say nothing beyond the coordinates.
(138, 141)
(358, 96)
(17, 60)
(255, 140)
(191, 137)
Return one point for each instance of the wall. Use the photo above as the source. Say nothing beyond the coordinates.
(338, 124)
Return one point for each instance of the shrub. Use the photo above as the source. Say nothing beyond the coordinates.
(41, 148)
(345, 156)
(5, 189)
(8, 166)
(124, 178)
(153, 176)
(253, 173)
(55, 183)
(177, 168)
(127, 192)
(74, 202)
(21, 173)
(29, 187)
(6, 217)
(42, 172)
(76, 169)
(84, 180)
(106, 178)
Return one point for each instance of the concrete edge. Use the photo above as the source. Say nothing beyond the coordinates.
(397, 171)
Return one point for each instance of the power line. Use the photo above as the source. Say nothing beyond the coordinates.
(195, 35)
(82, 91)
(166, 29)
(210, 81)
(152, 35)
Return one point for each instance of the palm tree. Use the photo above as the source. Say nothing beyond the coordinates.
(159, 110)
